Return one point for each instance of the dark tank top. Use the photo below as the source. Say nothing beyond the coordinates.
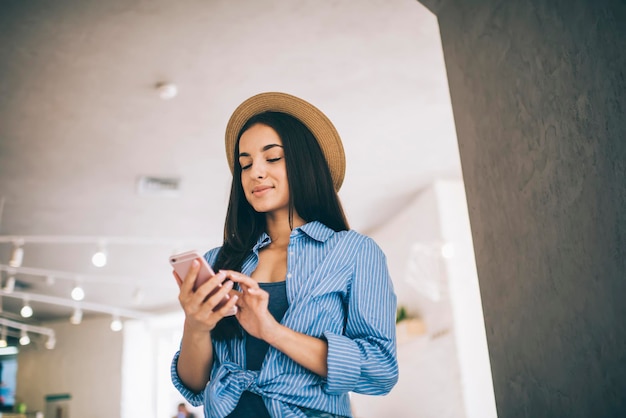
(251, 404)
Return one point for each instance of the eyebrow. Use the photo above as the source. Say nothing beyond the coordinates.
(265, 148)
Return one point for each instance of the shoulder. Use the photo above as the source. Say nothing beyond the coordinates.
(355, 239)
(211, 255)
(354, 245)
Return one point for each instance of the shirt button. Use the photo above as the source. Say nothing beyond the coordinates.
(289, 275)
(290, 252)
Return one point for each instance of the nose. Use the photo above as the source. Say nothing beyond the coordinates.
(258, 170)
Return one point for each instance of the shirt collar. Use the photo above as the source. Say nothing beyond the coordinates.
(316, 230)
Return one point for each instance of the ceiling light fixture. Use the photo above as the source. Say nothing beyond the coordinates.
(51, 342)
(9, 286)
(17, 255)
(78, 293)
(99, 258)
(23, 328)
(3, 337)
(26, 310)
(24, 338)
(166, 90)
(77, 316)
(116, 324)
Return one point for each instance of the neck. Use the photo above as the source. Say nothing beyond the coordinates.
(278, 227)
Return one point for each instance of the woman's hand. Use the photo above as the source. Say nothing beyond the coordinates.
(253, 314)
(201, 306)
(255, 318)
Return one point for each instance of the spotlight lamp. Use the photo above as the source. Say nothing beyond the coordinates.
(78, 293)
(116, 324)
(51, 342)
(99, 258)
(9, 286)
(3, 337)
(24, 338)
(26, 310)
(17, 256)
(77, 316)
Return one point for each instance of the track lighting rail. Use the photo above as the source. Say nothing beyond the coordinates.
(27, 327)
(95, 239)
(85, 306)
(67, 275)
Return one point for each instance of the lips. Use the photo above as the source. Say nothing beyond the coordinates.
(260, 189)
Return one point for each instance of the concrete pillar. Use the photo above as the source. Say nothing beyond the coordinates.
(538, 90)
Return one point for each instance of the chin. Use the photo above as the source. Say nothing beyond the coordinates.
(262, 208)
(266, 208)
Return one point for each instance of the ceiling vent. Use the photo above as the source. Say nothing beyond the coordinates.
(158, 186)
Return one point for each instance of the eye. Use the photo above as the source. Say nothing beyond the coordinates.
(245, 167)
(273, 160)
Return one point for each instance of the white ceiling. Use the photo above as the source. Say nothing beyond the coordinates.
(80, 121)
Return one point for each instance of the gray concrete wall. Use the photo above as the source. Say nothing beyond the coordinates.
(539, 96)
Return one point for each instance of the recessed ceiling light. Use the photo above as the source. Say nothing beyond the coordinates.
(167, 91)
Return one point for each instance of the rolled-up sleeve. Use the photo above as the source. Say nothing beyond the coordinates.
(364, 360)
(195, 399)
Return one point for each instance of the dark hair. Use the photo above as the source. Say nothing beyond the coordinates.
(311, 195)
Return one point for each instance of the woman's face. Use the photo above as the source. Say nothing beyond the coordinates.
(263, 170)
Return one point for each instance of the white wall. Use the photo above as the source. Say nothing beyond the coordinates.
(429, 384)
(147, 389)
(85, 364)
(445, 372)
(469, 326)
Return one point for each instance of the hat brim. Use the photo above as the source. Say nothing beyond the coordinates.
(320, 126)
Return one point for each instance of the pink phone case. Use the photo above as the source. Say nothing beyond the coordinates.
(182, 263)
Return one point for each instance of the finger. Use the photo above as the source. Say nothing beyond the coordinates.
(230, 307)
(219, 297)
(241, 279)
(210, 285)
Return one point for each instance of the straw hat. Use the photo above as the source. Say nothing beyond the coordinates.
(321, 127)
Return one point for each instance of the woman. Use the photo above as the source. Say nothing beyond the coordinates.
(315, 307)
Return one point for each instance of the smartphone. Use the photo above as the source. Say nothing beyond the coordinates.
(182, 263)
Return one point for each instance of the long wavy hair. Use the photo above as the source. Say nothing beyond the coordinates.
(311, 195)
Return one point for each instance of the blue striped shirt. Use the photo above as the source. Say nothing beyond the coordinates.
(339, 289)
